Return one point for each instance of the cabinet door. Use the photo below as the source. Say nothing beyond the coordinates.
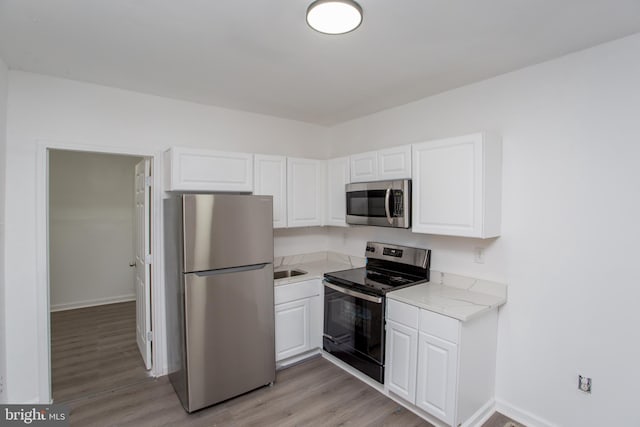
(189, 169)
(456, 186)
(437, 377)
(293, 328)
(394, 163)
(400, 366)
(270, 179)
(305, 192)
(364, 167)
(337, 178)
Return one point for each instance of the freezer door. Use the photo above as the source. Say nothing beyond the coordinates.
(222, 230)
(230, 337)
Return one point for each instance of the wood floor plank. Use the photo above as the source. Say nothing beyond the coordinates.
(312, 393)
(94, 350)
(98, 372)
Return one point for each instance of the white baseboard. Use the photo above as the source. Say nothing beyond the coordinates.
(283, 364)
(92, 303)
(520, 415)
(481, 415)
(477, 419)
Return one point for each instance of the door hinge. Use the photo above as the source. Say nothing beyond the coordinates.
(149, 336)
(147, 181)
(148, 259)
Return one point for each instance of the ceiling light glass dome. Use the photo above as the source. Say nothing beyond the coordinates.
(334, 16)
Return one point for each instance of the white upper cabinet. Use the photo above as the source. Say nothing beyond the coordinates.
(270, 179)
(364, 167)
(189, 169)
(337, 178)
(387, 164)
(394, 163)
(457, 186)
(305, 192)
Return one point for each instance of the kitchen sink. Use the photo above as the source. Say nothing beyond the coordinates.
(287, 273)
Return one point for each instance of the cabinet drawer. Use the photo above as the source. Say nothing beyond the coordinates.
(296, 291)
(404, 314)
(439, 326)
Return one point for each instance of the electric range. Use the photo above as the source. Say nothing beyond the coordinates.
(354, 303)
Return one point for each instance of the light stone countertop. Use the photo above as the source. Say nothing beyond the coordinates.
(460, 297)
(315, 264)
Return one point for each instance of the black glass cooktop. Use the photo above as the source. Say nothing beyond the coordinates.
(374, 281)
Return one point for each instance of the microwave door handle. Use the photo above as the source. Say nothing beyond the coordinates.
(387, 208)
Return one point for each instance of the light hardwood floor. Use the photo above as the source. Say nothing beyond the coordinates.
(94, 349)
(99, 374)
(315, 393)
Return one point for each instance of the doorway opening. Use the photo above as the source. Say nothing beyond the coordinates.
(99, 210)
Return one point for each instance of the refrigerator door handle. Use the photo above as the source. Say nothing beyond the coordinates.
(230, 270)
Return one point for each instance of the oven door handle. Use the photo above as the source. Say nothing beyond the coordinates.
(339, 340)
(387, 208)
(370, 298)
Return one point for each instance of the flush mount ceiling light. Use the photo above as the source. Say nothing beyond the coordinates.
(334, 16)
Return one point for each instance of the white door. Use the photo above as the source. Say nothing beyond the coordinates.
(305, 192)
(394, 163)
(364, 167)
(142, 234)
(293, 329)
(402, 351)
(437, 379)
(337, 178)
(447, 186)
(270, 179)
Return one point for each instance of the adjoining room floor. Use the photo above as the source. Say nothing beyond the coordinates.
(94, 350)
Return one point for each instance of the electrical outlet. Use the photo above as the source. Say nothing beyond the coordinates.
(478, 255)
(584, 384)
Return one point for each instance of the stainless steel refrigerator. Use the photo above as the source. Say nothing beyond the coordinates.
(219, 283)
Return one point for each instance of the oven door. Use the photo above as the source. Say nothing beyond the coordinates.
(354, 329)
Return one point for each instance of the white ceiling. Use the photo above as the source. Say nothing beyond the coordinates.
(260, 56)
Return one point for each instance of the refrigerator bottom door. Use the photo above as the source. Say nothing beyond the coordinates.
(229, 334)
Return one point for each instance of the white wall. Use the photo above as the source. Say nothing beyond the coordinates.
(42, 108)
(91, 214)
(4, 82)
(303, 240)
(570, 211)
(569, 248)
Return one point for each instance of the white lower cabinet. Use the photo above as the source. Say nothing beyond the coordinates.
(298, 318)
(440, 365)
(437, 371)
(402, 349)
(293, 328)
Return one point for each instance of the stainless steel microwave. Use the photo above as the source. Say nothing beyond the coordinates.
(379, 203)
